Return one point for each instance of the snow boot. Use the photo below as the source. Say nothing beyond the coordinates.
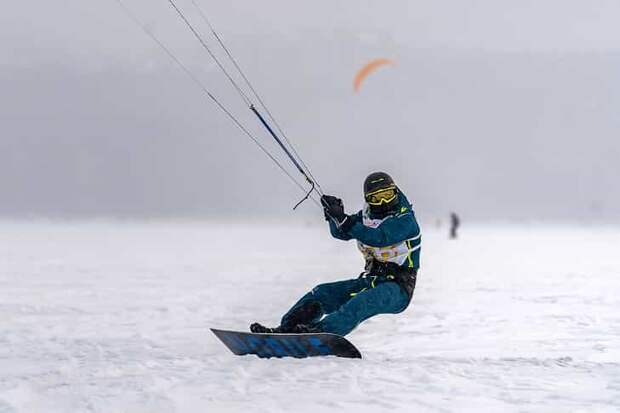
(304, 329)
(261, 329)
(296, 321)
(307, 313)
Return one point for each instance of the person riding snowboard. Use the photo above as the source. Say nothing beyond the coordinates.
(388, 236)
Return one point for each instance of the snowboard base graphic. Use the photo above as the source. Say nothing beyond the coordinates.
(287, 345)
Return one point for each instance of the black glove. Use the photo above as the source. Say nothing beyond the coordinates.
(333, 208)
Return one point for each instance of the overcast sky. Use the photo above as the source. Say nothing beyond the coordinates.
(496, 109)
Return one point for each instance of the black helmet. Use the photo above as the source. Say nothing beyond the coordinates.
(381, 194)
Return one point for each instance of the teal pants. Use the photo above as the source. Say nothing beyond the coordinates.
(340, 306)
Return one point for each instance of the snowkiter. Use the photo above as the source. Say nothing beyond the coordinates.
(388, 236)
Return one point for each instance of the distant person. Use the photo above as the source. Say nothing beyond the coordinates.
(455, 223)
(388, 236)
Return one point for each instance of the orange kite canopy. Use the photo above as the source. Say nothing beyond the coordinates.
(368, 69)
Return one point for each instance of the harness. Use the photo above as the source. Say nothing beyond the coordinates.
(389, 271)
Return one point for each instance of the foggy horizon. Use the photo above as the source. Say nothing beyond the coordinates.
(489, 119)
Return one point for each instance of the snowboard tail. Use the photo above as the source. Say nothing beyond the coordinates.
(287, 345)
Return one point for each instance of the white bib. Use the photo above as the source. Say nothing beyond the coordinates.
(397, 253)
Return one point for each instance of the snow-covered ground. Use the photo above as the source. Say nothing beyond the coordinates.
(114, 317)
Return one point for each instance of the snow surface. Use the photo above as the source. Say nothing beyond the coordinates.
(114, 317)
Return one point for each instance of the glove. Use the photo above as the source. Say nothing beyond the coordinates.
(333, 208)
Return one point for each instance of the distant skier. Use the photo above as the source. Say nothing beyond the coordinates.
(388, 236)
(455, 223)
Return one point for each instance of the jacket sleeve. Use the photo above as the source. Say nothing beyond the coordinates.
(340, 234)
(391, 231)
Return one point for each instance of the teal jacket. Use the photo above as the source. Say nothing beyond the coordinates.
(392, 231)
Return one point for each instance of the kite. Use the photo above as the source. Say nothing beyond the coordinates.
(369, 68)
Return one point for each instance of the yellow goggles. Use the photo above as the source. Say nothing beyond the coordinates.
(382, 196)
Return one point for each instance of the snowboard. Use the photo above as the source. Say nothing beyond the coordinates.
(287, 345)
